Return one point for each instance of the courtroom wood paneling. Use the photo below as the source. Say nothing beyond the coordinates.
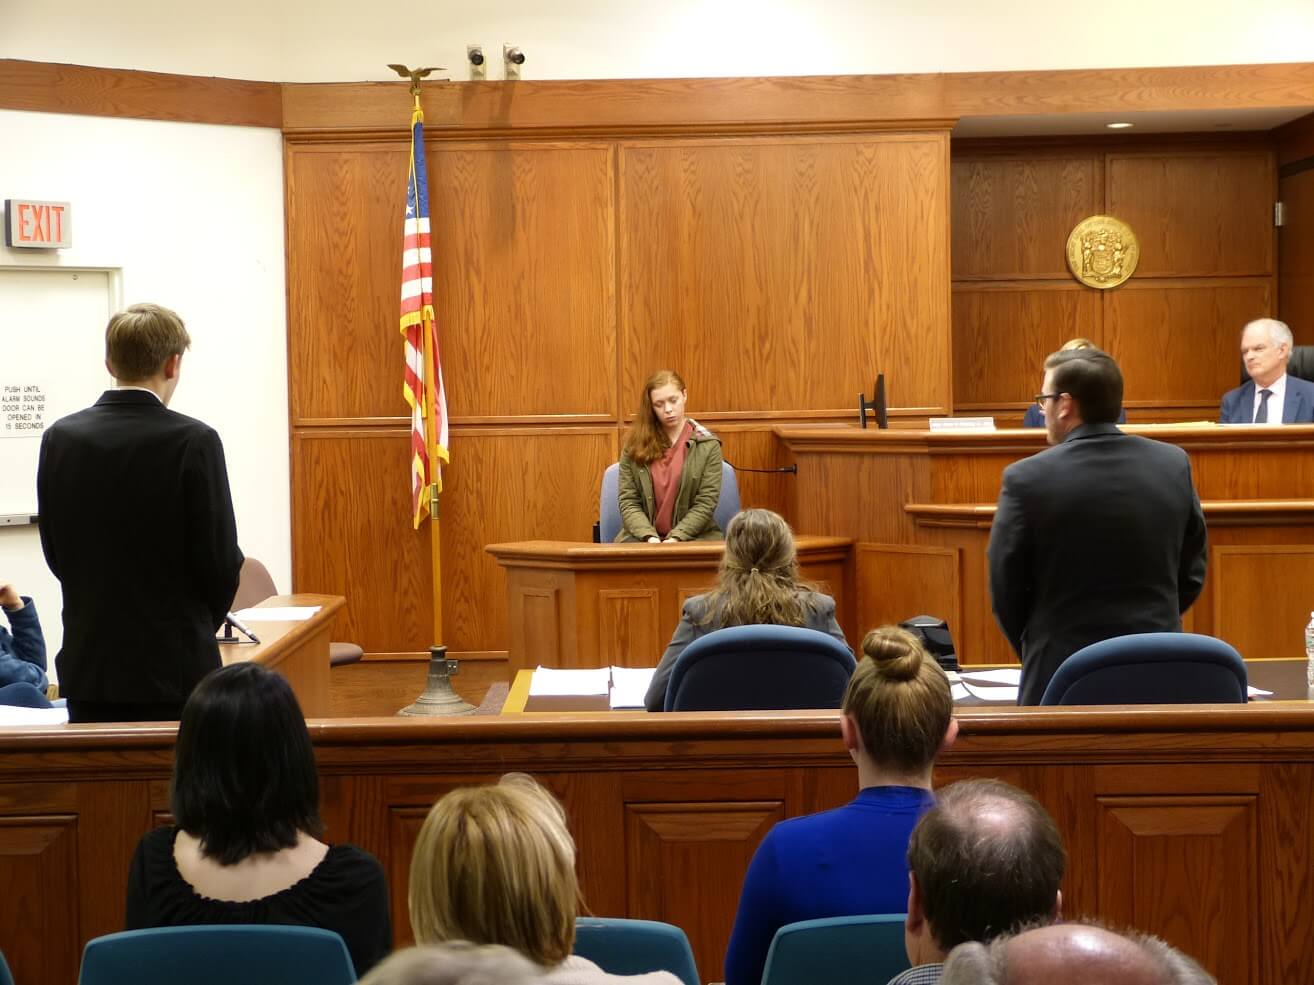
(1015, 201)
(1296, 256)
(344, 245)
(852, 101)
(1174, 818)
(677, 850)
(1294, 141)
(523, 253)
(1261, 597)
(1012, 216)
(522, 258)
(897, 582)
(1002, 334)
(629, 622)
(1179, 341)
(49, 87)
(351, 503)
(818, 262)
(509, 485)
(1187, 870)
(536, 612)
(39, 872)
(1196, 214)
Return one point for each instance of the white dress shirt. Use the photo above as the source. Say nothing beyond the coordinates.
(1275, 402)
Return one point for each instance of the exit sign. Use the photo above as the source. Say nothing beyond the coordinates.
(38, 225)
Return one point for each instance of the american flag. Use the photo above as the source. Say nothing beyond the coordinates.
(423, 384)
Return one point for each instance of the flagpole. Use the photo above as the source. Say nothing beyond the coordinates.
(422, 390)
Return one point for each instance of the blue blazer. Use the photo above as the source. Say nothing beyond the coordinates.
(1033, 418)
(23, 651)
(1298, 407)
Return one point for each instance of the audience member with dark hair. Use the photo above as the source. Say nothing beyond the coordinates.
(496, 865)
(1101, 535)
(245, 796)
(757, 584)
(897, 716)
(22, 652)
(1072, 954)
(984, 861)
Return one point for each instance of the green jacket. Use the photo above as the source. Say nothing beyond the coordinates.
(695, 499)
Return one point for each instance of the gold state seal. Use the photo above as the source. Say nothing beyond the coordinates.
(1102, 251)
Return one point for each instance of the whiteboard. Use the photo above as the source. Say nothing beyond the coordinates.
(52, 362)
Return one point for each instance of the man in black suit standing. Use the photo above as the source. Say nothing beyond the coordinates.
(137, 524)
(1099, 536)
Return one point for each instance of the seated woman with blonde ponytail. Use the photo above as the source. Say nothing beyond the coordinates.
(897, 717)
(757, 585)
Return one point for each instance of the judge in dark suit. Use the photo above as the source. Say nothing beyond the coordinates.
(137, 523)
(1270, 396)
(1099, 536)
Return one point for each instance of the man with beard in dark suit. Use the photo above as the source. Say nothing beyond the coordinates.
(1099, 536)
(137, 523)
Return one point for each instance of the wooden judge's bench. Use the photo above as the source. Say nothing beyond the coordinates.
(918, 506)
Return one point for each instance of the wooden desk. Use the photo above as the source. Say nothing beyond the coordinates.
(594, 605)
(1191, 822)
(919, 505)
(297, 650)
(1285, 678)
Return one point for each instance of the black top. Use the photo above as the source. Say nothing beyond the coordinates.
(1099, 536)
(346, 893)
(137, 524)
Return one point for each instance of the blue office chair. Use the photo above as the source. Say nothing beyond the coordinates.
(218, 955)
(837, 949)
(635, 947)
(757, 667)
(1150, 669)
(5, 977)
(609, 518)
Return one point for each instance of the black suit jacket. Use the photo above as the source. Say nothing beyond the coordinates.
(137, 524)
(1099, 536)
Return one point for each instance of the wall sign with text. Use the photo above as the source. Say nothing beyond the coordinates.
(37, 225)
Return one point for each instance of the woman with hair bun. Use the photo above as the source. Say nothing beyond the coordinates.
(897, 716)
(670, 469)
(757, 585)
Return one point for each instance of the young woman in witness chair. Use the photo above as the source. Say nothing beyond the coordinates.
(245, 796)
(757, 584)
(496, 865)
(897, 716)
(670, 469)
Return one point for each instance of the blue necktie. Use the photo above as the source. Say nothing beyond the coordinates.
(1261, 412)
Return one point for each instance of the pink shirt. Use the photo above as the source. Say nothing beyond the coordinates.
(665, 473)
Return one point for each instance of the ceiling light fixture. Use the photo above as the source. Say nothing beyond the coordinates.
(1119, 126)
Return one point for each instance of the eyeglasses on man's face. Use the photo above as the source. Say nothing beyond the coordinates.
(1042, 397)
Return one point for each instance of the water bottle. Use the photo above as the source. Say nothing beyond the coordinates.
(1309, 652)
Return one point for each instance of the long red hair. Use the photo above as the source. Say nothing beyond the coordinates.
(646, 440)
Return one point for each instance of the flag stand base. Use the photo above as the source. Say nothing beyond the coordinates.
(438, 698)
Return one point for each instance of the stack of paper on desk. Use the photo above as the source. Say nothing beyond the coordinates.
(629, 685)
(548, 682)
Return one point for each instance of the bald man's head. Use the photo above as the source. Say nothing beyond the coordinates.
(1074, 954)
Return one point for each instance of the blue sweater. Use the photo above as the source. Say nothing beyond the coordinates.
(846, 862)
(23, 652)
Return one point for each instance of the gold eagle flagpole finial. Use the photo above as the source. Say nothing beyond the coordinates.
(415, 75)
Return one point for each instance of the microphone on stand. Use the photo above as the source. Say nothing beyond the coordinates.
(231, 622)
